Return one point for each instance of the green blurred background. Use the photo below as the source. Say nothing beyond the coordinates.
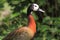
(13, 15)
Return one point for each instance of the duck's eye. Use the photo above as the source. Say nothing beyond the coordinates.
(35, 6)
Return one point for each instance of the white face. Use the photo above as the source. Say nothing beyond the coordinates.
(35, 7)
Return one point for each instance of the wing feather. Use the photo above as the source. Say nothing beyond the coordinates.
(19, 34)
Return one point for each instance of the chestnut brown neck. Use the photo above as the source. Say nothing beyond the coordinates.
(31, 23)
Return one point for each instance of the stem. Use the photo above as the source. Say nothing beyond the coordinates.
(44, 36)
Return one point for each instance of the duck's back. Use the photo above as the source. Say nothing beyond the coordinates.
(24, 33)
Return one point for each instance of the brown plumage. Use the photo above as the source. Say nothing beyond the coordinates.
(26, 32)
(23, 33)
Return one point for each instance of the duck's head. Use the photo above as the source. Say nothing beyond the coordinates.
(34, 7)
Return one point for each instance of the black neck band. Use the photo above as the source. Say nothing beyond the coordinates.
(29, 11)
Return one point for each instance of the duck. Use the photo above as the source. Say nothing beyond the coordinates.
(25, 32)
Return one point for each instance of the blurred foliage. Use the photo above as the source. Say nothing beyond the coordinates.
(13, 15)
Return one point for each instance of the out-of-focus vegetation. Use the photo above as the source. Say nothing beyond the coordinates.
(13, 15)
